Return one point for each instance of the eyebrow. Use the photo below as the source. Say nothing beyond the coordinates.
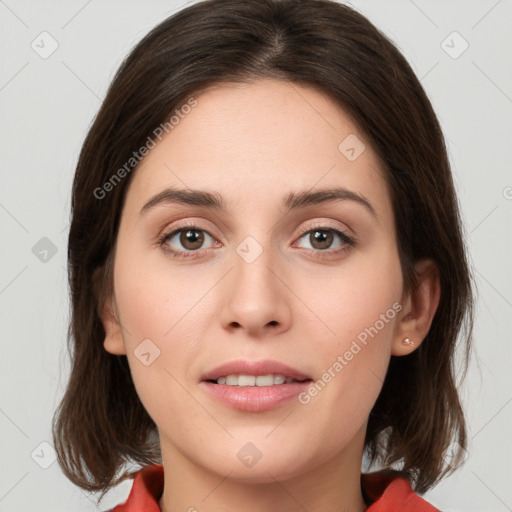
(292, 201)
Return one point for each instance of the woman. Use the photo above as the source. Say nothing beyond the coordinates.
(267, 271)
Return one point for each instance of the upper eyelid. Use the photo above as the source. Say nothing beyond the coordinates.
(325, 224)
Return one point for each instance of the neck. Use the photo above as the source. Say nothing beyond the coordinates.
(333, 486)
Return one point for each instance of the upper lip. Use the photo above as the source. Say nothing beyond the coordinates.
(263, 367)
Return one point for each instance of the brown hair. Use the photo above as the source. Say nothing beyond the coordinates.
(101, 424)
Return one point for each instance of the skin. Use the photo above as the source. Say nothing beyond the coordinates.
(253, 144)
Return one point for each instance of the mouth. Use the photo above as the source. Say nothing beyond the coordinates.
(254, 386)
(255, 380)
(254, 373)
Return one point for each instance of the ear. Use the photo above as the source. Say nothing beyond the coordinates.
(419, 309)
(114, 341)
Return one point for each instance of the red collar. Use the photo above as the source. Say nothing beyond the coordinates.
(387, 491)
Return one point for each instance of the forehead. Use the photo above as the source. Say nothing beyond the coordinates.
(261, 139)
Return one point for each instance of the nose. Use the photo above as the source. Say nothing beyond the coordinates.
(256, 297)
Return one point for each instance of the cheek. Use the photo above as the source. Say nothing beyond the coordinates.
(362, 294)
(155, 298)
(359, 312)
(350, 377)
(161, 333)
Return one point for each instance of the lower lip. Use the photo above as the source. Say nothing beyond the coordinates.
(255, 398)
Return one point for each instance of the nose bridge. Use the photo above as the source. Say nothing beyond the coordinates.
(252, 274)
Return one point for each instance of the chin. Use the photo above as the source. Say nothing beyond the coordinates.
(250, 465)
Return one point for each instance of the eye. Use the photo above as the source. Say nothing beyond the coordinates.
(190, 237)
(321, 239)
(187, 241)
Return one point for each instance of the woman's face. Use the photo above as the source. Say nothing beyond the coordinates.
(269, 276)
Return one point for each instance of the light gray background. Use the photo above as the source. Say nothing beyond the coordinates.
(46, 108)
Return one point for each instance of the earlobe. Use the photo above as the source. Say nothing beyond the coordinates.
(420, 308)
(114, 341)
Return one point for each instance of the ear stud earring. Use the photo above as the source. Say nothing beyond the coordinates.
(408, 342)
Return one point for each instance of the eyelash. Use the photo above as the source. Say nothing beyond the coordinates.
(348, 241)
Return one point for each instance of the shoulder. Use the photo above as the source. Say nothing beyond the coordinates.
(389, 491)
(146, 491)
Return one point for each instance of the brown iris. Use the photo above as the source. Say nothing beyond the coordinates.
(322, 237)
(192, 236)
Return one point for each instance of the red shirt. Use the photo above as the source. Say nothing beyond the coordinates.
(387, 492)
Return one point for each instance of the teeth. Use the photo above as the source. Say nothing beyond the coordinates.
(246, 380)
(232, 380)
(251, 380)
(264, 380)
